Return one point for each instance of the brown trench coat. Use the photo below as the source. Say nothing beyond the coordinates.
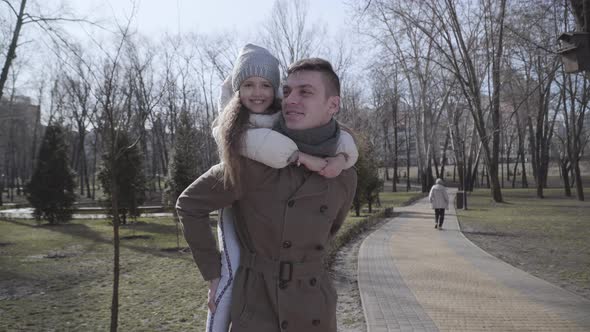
(284, 221)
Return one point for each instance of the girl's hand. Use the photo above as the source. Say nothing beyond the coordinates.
(334, 166)
(314, 164)
(213, 284)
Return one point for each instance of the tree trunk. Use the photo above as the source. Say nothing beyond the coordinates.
(116, 245)
(514, 170)
(493, 159)
(483, 176)
(578, 178)
(506, 163)
(11, 53)
(408, 186)
(436, 170)
(473, 166)
(565, 177)
(36, 127)
(395, 178)
(408, 135)
(426, 177)
(81, 164)
(502, 164)
(534, 140)
(395, 147)
(539, 182)
(444, 155)
(487, 180)
(524, 180)
(95, 152)
(155, 152)
(86, 177)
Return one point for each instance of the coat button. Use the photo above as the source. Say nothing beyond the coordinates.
(284, 325)
(323, 208)
(291, 203)
(319, 247)
(315, 322)
(312, 281)
(283, 284)
(287, 244)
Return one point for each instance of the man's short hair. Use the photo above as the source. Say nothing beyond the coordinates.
(320, 65)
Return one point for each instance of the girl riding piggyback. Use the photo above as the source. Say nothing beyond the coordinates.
(250, 109)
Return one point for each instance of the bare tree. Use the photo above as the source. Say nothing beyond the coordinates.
(81, 104)
(426, 85)
(288, 33)
(112, 76)
(221, 51)
(386, 104)
(517, 94)
(532, 30)
(576, 96)
(11, 52)
(469, 39)
(148, 90)
(23, 17)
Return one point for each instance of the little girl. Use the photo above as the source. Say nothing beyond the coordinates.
(244, 128)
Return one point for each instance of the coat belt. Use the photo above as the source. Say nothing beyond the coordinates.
(283, 270)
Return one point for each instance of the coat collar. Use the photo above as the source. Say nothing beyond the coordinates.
(258, 120)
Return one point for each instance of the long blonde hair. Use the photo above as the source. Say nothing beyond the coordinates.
(233, 123)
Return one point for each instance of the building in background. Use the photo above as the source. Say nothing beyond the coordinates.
(20, 130)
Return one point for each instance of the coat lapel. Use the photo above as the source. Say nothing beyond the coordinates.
(313, 185)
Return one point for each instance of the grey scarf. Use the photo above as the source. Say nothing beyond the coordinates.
(320, 142)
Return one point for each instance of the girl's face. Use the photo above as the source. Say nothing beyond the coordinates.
(256, 94)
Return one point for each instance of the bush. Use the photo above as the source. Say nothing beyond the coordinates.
(51, 189)
(129, 178)
(368, 183)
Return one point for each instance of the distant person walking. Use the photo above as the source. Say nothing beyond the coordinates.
(439, 199)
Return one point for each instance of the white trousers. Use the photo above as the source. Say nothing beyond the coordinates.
(230, 260)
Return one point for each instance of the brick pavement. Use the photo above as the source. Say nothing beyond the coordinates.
(413, 277)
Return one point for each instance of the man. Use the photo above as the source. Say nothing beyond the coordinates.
(285, 218)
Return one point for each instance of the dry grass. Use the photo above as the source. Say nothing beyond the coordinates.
(546, 237)
(59, 278)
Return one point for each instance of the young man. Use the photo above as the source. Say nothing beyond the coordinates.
(285, 217)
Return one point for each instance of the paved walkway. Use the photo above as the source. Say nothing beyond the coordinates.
(413, 277)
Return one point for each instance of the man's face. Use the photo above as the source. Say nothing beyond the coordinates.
(305, 103)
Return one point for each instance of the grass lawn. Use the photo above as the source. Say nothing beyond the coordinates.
(549, 237)
(59, 278)
(399, 198)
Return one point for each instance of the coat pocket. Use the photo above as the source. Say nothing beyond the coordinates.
(243, 294)
(320, 299)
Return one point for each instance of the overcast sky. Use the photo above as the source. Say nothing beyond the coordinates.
(206, 16)
(153, 18)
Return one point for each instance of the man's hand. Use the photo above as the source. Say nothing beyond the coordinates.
(314, 164)
(334, 166)
(213, 284)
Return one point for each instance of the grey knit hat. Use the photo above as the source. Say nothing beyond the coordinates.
(255, 61)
